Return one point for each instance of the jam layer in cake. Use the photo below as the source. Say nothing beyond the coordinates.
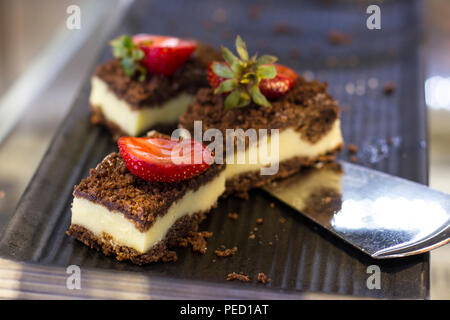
(121, 214)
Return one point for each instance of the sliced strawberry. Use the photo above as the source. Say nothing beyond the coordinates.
(213, 79)
(164, 55)
(284, 80)
(164, 160)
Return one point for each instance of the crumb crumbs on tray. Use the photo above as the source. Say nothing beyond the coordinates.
(263, 278)
(238, 276)
(339, 38)
(389, 141)
(389, 88)
(281, 28)
(252, 236)
(197, 240)
(352, 148)
(259, 221)
(282, 220)
(226, 252)
(272, 205)
(233, 215)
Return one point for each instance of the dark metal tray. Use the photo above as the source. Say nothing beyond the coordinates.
(303, 257)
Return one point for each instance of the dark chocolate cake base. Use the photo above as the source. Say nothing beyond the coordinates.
(159, 252)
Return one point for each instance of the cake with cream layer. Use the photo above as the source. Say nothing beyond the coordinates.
(134, 219)
(131, 106)
(308, 126)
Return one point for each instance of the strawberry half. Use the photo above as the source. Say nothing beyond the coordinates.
(271, 88)
(164, 160)
(164, 55)
(277, 87)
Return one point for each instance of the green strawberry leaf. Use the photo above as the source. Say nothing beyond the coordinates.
(258, 97)
(244, 99)
(241, 48)
(222, 70)
(266, 59)
(266, 71)
(229, 57)
(226, 86)
(244, 75)
(232, 100)
(130, 54)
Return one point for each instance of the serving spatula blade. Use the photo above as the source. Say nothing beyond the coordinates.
(382, 215)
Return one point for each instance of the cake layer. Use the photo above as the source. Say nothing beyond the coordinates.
(291, 145)
(160, 251)
(135, 121)
(99, 220)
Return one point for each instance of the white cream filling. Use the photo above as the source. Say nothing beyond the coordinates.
(98, 219)
(291, 144)
(135, 122)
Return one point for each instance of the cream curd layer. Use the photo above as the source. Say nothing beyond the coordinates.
(290, 145)
(99, 220)
(135, 121)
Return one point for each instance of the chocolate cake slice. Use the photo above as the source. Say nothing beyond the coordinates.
(123, 215)
(307, 118)
(130, 106)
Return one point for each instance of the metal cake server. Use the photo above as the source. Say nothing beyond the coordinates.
(382, 215)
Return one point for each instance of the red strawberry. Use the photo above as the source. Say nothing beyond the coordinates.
(284, 80)
(213, 79)
(271, 88)
(164, 55)
(164, 160)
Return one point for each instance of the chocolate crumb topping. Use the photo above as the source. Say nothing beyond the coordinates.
(389, 88)
(237, 276)
(263, 278)
(113, 186)
(307, 107)
(352, 148)
(226, 252)
(156, 89)
(233, 215)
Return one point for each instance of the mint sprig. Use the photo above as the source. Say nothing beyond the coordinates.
(130, 56)
(243, 76)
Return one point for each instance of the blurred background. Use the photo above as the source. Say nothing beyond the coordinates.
(43, 65)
